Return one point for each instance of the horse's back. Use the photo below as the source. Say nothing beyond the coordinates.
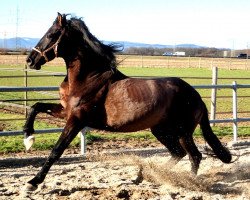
(134, 104)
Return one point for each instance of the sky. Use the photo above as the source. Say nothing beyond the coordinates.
(211, 23)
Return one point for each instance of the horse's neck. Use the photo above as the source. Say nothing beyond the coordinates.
(80, 76)
(79, 69)
(73, 70)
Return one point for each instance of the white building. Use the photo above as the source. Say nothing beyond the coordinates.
(179, 53)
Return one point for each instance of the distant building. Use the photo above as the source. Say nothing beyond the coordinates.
(236, 54)
(177, 53)
(226, 54)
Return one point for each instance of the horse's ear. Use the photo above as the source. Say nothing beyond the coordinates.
(61, 19)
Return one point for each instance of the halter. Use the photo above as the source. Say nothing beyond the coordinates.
(54, 47)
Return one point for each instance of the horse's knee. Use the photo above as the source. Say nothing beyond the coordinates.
(177, 152)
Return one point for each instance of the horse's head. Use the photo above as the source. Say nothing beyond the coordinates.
(49, 46)
(67, 38)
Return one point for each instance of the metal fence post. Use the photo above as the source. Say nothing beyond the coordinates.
(235, 117)
(25, 92)
(83, 140)
(213, 94)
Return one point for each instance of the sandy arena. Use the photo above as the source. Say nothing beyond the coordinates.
(143, 174)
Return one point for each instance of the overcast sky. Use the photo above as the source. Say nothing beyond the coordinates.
(212, 23)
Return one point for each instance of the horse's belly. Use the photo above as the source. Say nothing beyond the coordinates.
(134, 121)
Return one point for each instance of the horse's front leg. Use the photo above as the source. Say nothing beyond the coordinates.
(55, 110)
(73, 126)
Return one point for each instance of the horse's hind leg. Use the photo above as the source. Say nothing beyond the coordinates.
(172, 143)
(195, 156)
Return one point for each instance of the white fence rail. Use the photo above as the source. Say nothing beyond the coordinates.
(234, 120)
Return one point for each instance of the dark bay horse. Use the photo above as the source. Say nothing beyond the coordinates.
(95, 94)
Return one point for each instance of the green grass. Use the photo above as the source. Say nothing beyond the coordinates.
(14, 144)
(32, 81)
(18, 124)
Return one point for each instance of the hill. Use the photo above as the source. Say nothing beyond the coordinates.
(13, 43)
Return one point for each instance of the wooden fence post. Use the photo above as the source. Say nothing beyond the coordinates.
(141, 61)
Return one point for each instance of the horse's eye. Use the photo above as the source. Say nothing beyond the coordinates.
(53, 35)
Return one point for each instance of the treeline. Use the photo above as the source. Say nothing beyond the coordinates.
(193, 52)
(20, 51)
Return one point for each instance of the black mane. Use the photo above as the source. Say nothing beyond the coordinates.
(103, 50)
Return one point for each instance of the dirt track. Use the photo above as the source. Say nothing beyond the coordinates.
(142, 175)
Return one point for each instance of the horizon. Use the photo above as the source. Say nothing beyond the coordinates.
(210, 23)
(129, 42)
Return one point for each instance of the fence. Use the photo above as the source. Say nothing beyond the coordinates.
(234, 86)
(234, 118)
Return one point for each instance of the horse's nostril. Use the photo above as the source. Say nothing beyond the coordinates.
(29, 61)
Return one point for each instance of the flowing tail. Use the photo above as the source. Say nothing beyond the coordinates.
(221, 152)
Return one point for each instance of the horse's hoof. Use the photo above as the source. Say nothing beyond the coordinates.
(30, 187)
(28, 142)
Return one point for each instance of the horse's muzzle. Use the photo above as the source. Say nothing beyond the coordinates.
(31, 65)
(29, 62)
